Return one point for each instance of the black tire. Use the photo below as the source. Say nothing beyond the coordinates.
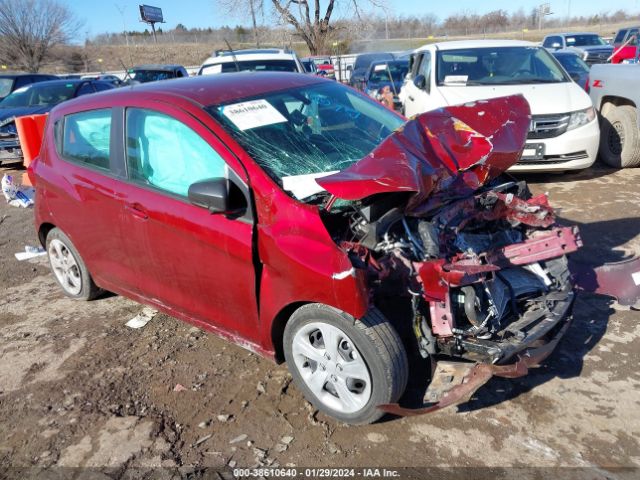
(379, 346)
(619, 137)
(88, 290)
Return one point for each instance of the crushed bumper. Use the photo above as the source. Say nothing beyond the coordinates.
(454, 382)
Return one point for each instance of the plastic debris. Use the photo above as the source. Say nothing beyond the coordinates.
(179, 388)
(9, 189)
(17, 196)
(202, 440)
(239, 438)
(30, 252)
(144, 317)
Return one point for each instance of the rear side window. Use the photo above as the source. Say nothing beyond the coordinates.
(164, 153)
(86, 138)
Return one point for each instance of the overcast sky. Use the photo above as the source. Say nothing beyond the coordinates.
(104, 16)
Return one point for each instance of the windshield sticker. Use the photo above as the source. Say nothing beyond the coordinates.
(378, 68)
(303, 186)
(456, 79)
(256, 113)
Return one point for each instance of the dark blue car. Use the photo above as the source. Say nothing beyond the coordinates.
(384, 73)
(577, 68)
(35, 99)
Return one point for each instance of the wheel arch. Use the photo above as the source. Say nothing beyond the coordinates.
(609, 101)
(278, 325)
(43, 231)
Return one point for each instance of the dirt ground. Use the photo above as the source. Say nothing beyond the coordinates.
(80, 389)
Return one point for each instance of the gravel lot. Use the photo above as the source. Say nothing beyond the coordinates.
(79, 388)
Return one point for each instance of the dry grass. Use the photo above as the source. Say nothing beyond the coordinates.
(114, 57)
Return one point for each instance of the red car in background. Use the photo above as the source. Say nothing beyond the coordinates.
(323, 65)
(303, 220)
(625, 44)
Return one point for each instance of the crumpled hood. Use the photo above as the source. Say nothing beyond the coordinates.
(440, 155)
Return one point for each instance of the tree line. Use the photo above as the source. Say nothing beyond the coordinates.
(30, 30)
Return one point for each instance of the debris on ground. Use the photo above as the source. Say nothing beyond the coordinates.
(144, 317)
(179, 388)
(201, 440)
(15, 195)
(224, 418)
(30, 252)
(239, 438)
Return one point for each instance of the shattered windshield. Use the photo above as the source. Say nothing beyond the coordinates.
(304, 133)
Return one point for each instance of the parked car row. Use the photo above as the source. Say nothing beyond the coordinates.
(317, 227)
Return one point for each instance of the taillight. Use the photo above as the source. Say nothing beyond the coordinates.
(586, 85)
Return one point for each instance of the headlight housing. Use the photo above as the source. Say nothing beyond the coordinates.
(581, 117)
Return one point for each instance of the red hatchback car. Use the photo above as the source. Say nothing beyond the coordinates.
(305, 221)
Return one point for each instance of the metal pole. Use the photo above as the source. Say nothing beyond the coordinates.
(153, 29)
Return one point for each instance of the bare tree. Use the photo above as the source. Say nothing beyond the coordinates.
(30, 28)
(313, 26)
(239, 8)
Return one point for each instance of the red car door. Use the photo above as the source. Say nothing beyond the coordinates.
(196, 263)
(79, 181)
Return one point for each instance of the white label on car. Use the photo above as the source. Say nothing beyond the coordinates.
(636, 278)
(456, 79)
(377, 68)
(212, 69)
(303, 186)
(252, 114)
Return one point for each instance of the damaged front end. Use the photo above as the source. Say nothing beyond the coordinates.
(478, 260)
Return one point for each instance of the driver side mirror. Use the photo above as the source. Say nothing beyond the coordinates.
(218, 195)
(420, 82)
(349, 68)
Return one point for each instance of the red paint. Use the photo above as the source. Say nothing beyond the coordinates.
(437, 155)
(177, 257)
(597, 84)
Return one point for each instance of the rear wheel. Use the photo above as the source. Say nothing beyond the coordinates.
(619, 137)
(345, 367)
(68, 267)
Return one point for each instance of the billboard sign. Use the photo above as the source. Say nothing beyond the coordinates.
(151, 14)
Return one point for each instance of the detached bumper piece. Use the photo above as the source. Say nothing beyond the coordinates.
(453, 382)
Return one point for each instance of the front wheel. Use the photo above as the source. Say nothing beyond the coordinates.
(345, 367)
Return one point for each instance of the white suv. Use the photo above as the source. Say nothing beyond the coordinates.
(261, 59)
(564, 131)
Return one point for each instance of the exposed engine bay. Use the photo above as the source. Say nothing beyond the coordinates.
(434, 221)
(482, 273)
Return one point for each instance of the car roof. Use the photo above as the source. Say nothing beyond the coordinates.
(569, 34)
(565, 54)
(459, 44)
(260, 55)
(21, 74)
(393, 61)
(214, 89)
(63, 81)
(160, 67)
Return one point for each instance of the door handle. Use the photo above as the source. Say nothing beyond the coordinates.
(137, 210)
(411, 98)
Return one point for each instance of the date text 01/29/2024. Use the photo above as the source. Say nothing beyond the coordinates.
(267, 472)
